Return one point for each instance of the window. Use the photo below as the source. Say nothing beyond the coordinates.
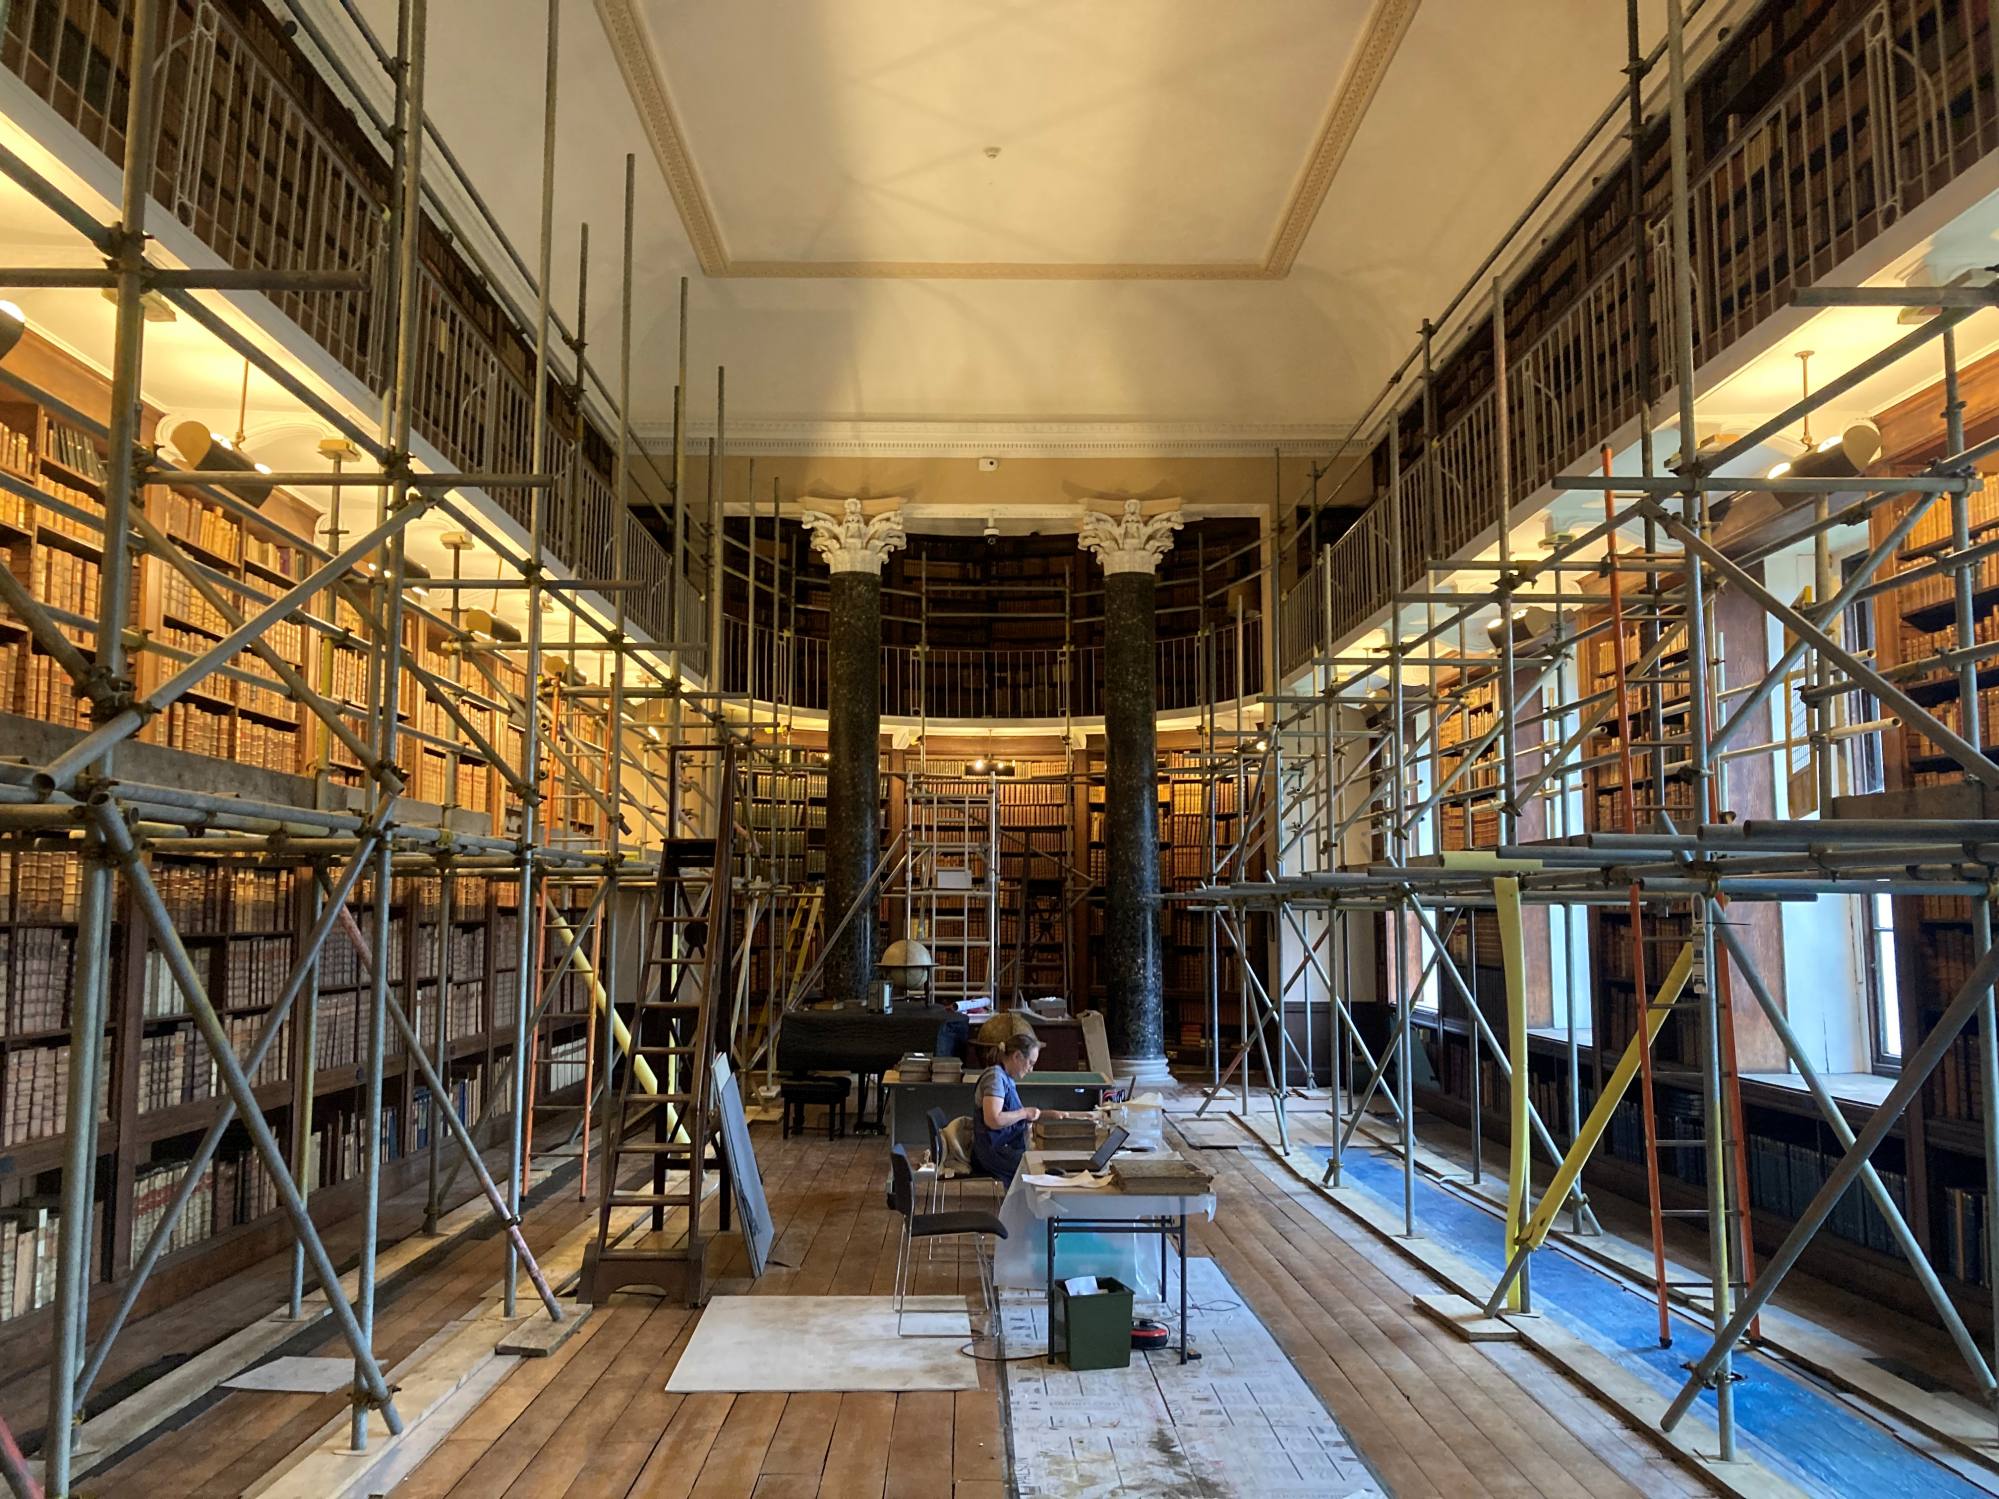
(1883, 996)
(1864, 768)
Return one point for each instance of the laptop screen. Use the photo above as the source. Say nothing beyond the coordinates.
(1109, 1148)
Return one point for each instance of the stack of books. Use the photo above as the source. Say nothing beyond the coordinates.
(915, 1066)
(1068, 1134)
(1161, 1176)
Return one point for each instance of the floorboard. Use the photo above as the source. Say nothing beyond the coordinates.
(1432, 1415)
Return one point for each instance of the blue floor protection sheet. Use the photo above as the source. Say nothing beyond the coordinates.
(1788, 1424)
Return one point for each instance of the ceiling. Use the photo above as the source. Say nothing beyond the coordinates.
(1219, 222)
(889, 138)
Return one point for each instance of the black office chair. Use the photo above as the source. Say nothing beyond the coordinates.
(915, 1225)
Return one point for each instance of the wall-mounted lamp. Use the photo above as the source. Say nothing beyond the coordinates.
(1771, 519)
(13, 323)
(486, 624)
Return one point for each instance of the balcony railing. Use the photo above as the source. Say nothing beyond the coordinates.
(1041, 683)
(1900, 105)
(258, 159)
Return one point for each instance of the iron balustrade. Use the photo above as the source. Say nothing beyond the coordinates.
(1899, 106)
(991, 683)
(258, 159)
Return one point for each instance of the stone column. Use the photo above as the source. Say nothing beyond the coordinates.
(854, 543)
(1130, 546)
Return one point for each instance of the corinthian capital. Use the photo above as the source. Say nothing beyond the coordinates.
(1132, 542)
(853, 541)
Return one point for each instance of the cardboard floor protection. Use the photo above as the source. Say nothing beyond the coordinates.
(1238, 1423)
(794, 1343)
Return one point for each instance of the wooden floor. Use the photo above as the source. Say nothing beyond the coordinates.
(596, 1420)
(1434, 1416)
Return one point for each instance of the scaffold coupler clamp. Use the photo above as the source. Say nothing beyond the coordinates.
(362, 1398)
(1712, 1381)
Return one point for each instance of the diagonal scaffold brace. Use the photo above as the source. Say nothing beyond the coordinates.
(117, 839)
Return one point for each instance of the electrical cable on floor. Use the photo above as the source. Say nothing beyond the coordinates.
(1003, 1358)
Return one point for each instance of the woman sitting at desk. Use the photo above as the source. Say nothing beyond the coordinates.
(999, 1118)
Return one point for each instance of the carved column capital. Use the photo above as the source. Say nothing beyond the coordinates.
(1132, 542)
(854, 541)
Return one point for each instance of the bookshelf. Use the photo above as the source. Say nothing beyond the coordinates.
(1192, 793)
(240, 921)
(1038, 875)
(1932, 1162)
(1934, 953)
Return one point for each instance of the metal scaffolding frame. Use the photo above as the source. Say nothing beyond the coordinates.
(591, 745)
(1382, 744)
(1339, 787)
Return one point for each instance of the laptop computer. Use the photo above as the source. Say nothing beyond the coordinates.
(1098, 1161)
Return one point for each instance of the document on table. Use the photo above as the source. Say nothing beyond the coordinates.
(1087, 1181)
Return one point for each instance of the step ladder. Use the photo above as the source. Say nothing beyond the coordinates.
(684, 989)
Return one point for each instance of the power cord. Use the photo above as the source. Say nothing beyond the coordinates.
(988, 1358)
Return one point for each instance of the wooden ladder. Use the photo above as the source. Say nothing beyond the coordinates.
(683, 989)
(1652, 1013)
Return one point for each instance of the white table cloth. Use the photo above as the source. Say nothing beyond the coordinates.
(1020, 1261)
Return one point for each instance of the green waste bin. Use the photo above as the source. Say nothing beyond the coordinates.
(1092, 1330)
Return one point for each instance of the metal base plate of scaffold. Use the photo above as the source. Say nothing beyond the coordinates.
(1466, 1318)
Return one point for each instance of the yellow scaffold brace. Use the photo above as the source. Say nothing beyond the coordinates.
(1525, 1241)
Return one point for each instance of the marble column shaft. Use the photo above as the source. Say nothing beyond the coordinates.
(853, 779)
(1134, 983)
(854, 542)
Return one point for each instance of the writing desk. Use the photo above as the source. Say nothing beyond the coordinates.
(1100, 1212)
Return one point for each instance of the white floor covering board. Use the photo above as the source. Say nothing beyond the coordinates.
(296, 1376)
(1238, 1423)
(745, 1344)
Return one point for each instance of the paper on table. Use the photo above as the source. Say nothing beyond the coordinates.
(1086, 1180)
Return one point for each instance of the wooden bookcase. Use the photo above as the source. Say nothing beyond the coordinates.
(1930, 1160)
(240, 924)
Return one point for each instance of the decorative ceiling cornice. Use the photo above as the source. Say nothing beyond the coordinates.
(840, 437)
(1386, 25)
(1001, 270)
(638, 59)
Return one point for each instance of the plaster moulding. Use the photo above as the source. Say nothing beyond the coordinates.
(638, 60)
(945, 437)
